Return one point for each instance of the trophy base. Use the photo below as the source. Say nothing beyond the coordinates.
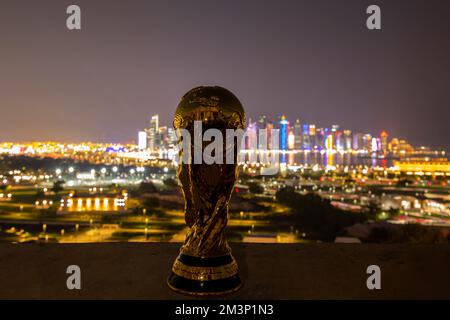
(204, 276)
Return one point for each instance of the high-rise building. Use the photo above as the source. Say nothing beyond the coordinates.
(384, 142)
(277, 118)
(162, 139)
(298, 135)
(153, 133)
(339, 140)
(263, 140)
(284, 131)
(270, 129)
(154, 122)
(374, 145)
(358, 141)
(329, 142)
(312, 136)
(251, 137)
(320, 139)
(347, 139)
(291, 139)
(142, 140)
(305, 137)
(172, 137)
(367, 142)
(262, 122)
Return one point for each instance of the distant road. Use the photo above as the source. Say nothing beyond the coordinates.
(32, 222)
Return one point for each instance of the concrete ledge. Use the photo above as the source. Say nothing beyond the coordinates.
(308, 271)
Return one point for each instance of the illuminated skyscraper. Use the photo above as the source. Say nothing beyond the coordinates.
(374, 144)
(153, 133)
(251, 138)
(305, 137)
(154, 122)
(298, 135)
(262, 122)
(384, 142)
(172, 137)
(320, 139)
(358, 141)
(269, 128)
(291, 139)
(329, 142)
(367, 142)
(162, 138)
(347, 140)
(142, 140)
(283, 133)
(312, 136)
(339, 140)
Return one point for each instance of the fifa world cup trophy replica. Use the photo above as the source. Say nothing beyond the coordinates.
(205, 265)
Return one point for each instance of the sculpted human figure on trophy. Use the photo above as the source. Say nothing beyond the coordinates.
(205, 264)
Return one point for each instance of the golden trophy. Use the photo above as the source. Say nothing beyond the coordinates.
(205, 265)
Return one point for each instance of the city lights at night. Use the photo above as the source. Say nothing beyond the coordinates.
(243, 151)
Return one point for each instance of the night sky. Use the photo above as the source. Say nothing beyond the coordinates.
(309, 59)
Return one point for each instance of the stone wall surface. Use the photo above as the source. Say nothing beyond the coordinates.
(270, 271)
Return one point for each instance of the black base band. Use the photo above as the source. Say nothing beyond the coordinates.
(211, 287)
(202, 286)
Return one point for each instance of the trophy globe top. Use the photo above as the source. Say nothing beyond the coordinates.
(209, 104)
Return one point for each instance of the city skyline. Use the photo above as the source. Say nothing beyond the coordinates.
(317, 60)
(274, 120)
(292, 135)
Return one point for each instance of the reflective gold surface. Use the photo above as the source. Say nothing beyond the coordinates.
(207, 188)
(205, 265)
(205, 273)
